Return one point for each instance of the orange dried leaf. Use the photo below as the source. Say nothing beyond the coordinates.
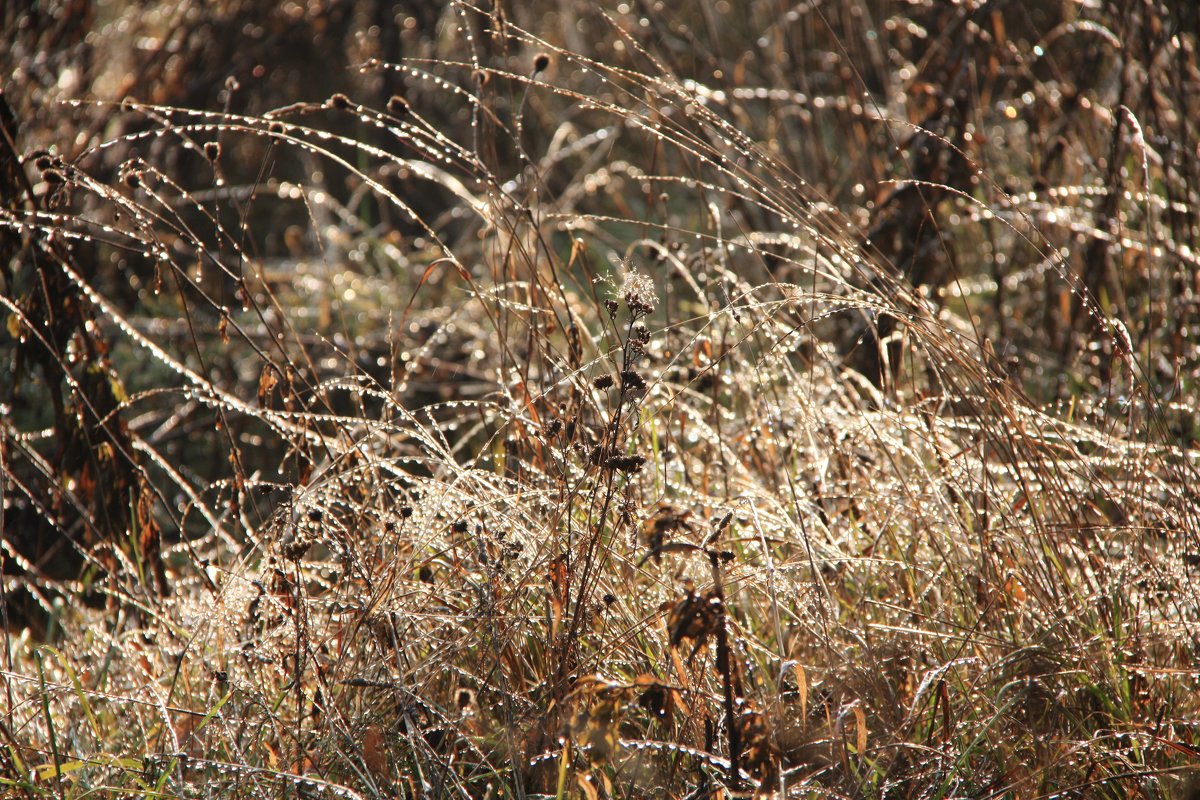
(374, 752)
(860, 730)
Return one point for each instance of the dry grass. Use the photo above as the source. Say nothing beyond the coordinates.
(641, 404)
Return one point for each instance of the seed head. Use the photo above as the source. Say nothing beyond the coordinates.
(625, 463)
(632, 381)
(638, 293)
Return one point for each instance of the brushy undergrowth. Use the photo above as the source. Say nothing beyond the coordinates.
(694, 401)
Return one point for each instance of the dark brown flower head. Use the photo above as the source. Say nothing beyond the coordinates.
(625, 463)
(632, 382)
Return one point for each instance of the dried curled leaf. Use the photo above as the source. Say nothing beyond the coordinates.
(695, 618)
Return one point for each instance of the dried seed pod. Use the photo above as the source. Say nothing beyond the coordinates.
(632, 381)
(625, 463)
(212, 150)
(540, 63)
(397, 106)
(295, 546)
(340, 102)
(603, 382)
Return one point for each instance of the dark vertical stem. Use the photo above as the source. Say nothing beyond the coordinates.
(725, 667)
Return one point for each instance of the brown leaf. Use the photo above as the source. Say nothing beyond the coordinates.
(587, 787)
(268, 379)
(694, 618)
(860, 730)
(374, 752)
(759, 753)
(801, 689)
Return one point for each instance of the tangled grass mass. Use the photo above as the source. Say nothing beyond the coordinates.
(602, 400)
